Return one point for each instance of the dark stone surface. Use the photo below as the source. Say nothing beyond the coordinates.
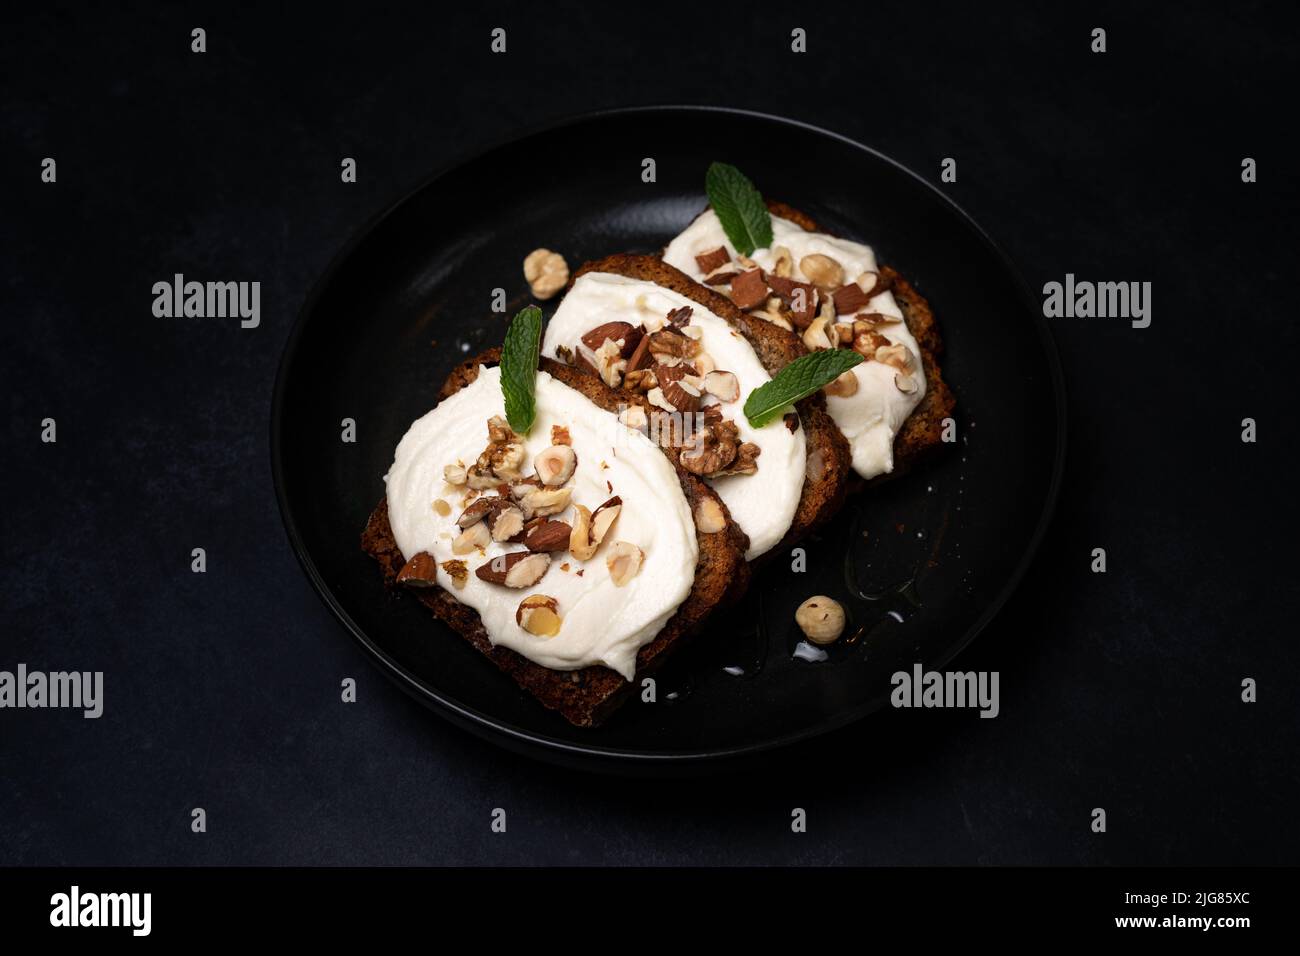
(1119, 691)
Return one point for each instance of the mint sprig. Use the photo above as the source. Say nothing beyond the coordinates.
(519, 353)
(739, 208)
(797, 380)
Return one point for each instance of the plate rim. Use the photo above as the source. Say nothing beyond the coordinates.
(538, 745)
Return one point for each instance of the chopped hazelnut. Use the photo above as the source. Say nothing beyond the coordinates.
(547, 273)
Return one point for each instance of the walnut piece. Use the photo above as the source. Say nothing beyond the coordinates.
(716, 450)
(501, 461)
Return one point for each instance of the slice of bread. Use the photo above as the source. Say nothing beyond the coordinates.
(583, 697)
(922, 433)
(830, 463)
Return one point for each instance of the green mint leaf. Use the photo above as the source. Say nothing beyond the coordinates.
(739, 208)
(519, 368)
(797, 380)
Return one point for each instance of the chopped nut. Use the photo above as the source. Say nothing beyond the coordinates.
(820, 618)
(580, 545)
(656, 398)
(546, 271)
(745, 462)
(516, 569)
(501, 461)
(710, 449)
(816, 337)
(634, 416)
(905, 383)
(843, 386)
(539, 614)
(454, 474)
(603, 518)
(706, 262)
(703, 363)
(590, 529)
(709, 518)
(441, 507)
(724, 386)
(476, 512)
(458, 571)
(505, 520)
(783, 266)
(668, 342)
(499, 430)
(548, 536)
(677, 387)
(822, 271)
(545, 501)
(640, 380)
(524, 486)
(748, 289)
(693, 332)
(420, 572)
(866, 343)
(826, 308)
(560, 435)
(626, 336)
(474, 538)
(640, 357)
(680, 317)
(624, 562)
(716, 450)
(896, 356)
(555, 465)
(844, 333)
(722, 275)
(610, 363)
(872, 284)
(874, 320)
(850, 299)
(799, 297)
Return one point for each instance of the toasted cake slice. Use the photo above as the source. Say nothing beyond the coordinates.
(685, 524)
(646, 327)
(893, 411)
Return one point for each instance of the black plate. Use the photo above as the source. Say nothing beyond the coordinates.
(922, 562)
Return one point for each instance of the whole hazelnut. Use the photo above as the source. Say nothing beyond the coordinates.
(821, 618)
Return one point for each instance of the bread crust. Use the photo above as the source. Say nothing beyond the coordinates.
(830, 470)
(583, 697)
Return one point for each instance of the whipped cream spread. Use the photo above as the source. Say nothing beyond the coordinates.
(602, 623)
(764, 503)
(872, 416)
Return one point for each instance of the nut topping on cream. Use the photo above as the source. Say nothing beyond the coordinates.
(871, 411)
(508, 531)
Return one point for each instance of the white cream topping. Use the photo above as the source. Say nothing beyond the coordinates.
(764, 503)
(602, 623)
(872, 416)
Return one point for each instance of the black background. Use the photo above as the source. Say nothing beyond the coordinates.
(222, 690)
